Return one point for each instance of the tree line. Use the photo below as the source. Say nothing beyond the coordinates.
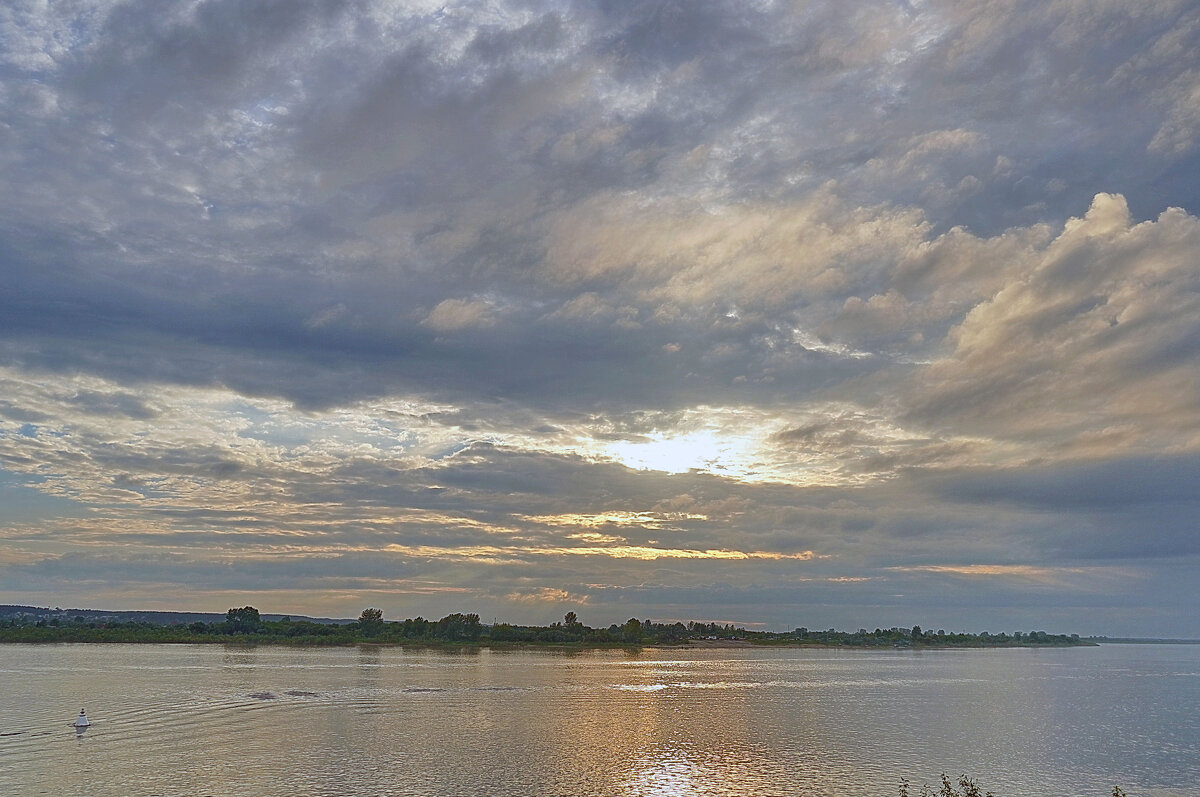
(246, 624)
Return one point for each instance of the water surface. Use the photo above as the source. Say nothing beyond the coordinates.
(214, 720)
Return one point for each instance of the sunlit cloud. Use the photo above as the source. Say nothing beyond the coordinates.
(654, 520)
(641, 552)
(546, 595)
(1047, 575)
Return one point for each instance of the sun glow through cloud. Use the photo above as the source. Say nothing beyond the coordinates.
(702, 450)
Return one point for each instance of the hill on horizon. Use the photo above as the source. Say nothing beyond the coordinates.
(138, 616)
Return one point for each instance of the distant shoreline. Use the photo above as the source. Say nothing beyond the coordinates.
(175, 636)
(247, 626)
(1104, 640)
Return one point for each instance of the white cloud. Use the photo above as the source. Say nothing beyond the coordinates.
(1089, 335)
(1181, 128)
(452, 315)
(764, 255)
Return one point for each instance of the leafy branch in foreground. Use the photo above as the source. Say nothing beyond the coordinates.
(968, 786)
(969, 789)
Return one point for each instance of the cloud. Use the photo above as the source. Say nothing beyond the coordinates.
(761, 256)
(655, 295)
(1027, 572)
(1088, 349)
(1179, 131)
(453, 315)
(546, 595)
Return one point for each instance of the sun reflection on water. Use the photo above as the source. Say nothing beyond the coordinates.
(676, 772)
(668, 777)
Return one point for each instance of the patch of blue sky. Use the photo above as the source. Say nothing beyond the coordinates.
(33, 430)
(22, 502)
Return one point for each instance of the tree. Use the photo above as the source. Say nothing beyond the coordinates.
(459, 626)
(571, 620)
(243, 620)
(370, 622)
(632, 630)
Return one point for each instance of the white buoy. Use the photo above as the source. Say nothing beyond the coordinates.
(82, 721)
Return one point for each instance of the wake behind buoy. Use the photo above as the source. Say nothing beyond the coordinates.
(82, 721)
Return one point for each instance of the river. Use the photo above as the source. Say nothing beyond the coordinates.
(227, 721)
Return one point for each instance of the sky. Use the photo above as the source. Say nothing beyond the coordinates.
(781, 314)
